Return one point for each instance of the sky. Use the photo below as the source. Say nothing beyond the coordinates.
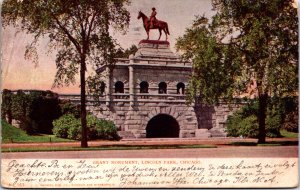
(18, 73)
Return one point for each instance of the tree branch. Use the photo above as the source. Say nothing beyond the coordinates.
(73, 40)
(91, 24)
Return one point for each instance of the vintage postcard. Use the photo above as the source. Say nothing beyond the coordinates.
(149, 94)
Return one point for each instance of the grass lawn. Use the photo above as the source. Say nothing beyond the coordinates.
(287, 134)
(269, 143)
(117, 147)
(12, 134)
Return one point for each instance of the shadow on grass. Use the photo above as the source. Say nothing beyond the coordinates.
(269, 143)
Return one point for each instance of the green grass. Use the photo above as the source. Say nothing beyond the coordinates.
(288, 134)
(270, 143)
(12, 134)
(116, 147)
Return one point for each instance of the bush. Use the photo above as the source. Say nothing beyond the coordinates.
(101, 129)
(245, 127)
(35, 110)
(69, 108)
(6, 112)
(291, 122)
(289, 107)
(68, 126)
(273, 124)
(65, 126)
(244, 122)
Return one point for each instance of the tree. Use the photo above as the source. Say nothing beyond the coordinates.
(125, 54)
(6, 113)
(211, 78)
(254, 41)
(77, 30)
(21, 109)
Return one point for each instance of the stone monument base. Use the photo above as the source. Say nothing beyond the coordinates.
(202, 133)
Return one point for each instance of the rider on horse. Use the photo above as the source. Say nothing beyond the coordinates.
(153, 23)
(152, 17)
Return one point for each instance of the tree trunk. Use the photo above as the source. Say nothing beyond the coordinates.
(84, 143)
(263, 102)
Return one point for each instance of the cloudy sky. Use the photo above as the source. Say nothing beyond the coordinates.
(18, 73)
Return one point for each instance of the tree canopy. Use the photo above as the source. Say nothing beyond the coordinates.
(246, 41)
(77, 30)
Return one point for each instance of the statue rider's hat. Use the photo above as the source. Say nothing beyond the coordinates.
(153, 8)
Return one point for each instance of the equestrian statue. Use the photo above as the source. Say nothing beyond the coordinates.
(153, 23)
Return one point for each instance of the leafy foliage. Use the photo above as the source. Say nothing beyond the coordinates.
(69, 127)
(63, 124)
(69, 108)
(239, 126)
(6, 112)
(101, 129)
(77, 30)
(246, 41)
(288, 109)
(21, 109)
(121, 53)
(244, 122)
(35, 110)
(12, 134)
(282, 114)
(215, 66)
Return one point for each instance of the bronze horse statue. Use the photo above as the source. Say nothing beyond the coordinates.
(158, 24)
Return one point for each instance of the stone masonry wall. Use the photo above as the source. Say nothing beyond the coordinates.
(132, 122)
(195, 121)
(212, 119)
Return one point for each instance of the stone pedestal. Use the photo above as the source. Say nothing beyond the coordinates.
(202, 133)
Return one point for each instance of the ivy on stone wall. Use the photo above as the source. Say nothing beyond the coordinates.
(35, 110)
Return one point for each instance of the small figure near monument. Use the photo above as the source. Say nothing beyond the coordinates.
(153, 23)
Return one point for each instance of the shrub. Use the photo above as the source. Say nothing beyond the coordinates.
(273, 124)
(290, 122)
(74, 131)
(68, 126)
(35, 110)
(101, 129)
(69, 108)
(63, 124)
(21, 109)
(6, 112)
(289, 107)
(244, 122)
(233, 125)
(239, 126)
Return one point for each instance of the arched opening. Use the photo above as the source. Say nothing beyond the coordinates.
(162, 126)
(180, 88)
(144, 87)
(119, 87)
(102, 88)
(162, 88)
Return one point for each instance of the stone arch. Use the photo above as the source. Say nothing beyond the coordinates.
(162, 88)
(144, 86)
(169, 110)
(119, 87)
(162, 126)
(180, 88)
(102, 87)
